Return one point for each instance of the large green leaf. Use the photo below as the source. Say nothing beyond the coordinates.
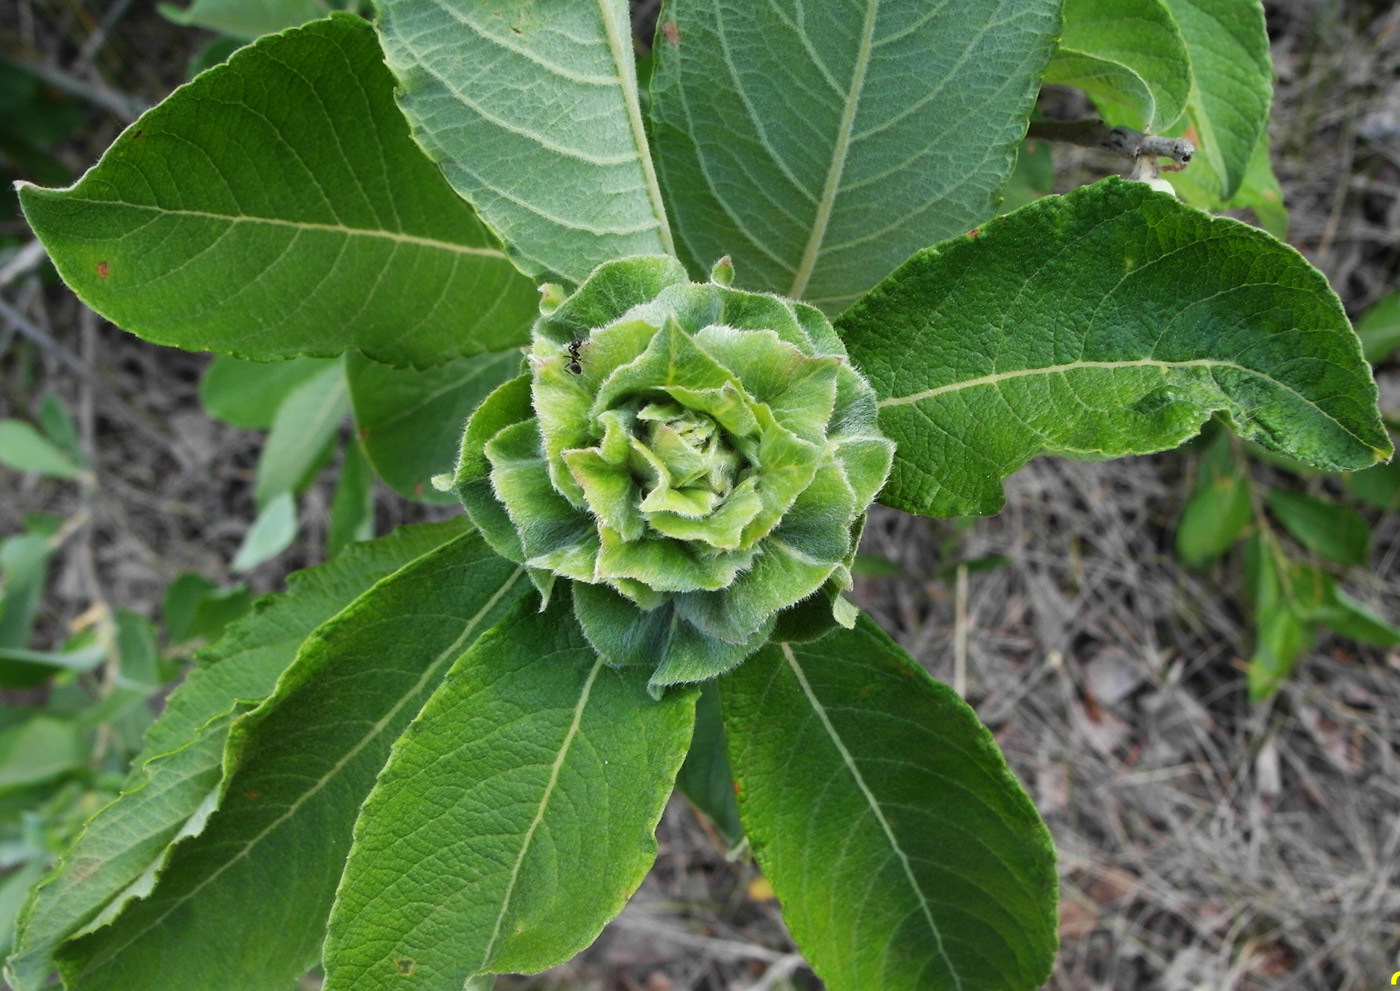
(532, 112)
(173, 786)
(410, 422)
(819, 144)
(905, 853)
(248, 897)
(1232, 86)
(277, 206)
(1128, 54)
(515, 818)
(1111, 321)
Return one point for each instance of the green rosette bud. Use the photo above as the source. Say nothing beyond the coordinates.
(695, 459)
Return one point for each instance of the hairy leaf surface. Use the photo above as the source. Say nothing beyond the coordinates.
(271, 855)
(173, 786)
(1110, 321)
(819, 144)
(277, 206)
(904, 851)
(532, 112)
(515, 817)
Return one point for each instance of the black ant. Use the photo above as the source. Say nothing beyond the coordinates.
(572, 365)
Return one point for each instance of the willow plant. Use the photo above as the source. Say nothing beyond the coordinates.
(693, 329)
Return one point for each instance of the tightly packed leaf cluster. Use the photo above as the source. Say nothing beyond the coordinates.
(696, 458)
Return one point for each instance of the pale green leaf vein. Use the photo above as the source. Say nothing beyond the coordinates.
(840, 148)
(550, 788)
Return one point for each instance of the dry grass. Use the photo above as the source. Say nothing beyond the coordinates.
(1204, 843)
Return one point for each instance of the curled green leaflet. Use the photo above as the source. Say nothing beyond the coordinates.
(695, 458)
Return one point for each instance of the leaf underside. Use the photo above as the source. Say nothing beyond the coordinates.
(819, 144)
(532, 112)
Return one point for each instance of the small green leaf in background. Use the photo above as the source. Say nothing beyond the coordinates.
(248, 19)
(304, 760)
(1142, 317)
(248, 394)
(277, 206)
(515, 817)
(25, 449)
(819, 143)
(1281, 635)
(173, 785)
(271, 534)
(300, 442)
(1379, 329)
(1342, 614)
(1338, 533)
(904, 851)
(1032, 178)
(1219, 508)
(352, 506)
(533, 114)
(40, 748)
(1378, 486)
(24, 570)
(60, 427)
(410, 422)
(197, 609)
(1129, 56)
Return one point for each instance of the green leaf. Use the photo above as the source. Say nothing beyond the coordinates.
(1219, 509)
(197, 609)
(302, 434)
(25, 449)
(1283, 595)
(1350, 618)
(277, 206)
(1379, 329)
(1232, 85)
(303, 762)
(818, 144)
(248, 394)
(173, 786)
(1127, 53)
(704, 778)
(515, 817)
(24, 561)
(1338, 533)
(410, 422)
(271, 534)
(248, 19)
(58, 423)
(38, 749)
(1379, 486)
(352, 506)
(1110, 321)
(533, 116)
(904, 851)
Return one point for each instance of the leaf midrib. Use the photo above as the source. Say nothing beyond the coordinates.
(838, 157)
(849, 760)
(998, 377)
(445, 655)
(565, 746)
(306, 225)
